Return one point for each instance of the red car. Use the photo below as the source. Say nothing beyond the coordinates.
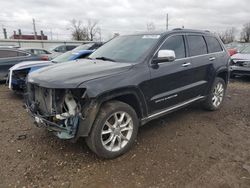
(232, 51)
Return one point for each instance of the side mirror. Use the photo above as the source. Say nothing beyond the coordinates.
(165, 56)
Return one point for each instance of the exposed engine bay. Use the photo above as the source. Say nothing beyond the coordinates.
(59, 110)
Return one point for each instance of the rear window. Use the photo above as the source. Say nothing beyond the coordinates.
(213, 45)
(197, 45)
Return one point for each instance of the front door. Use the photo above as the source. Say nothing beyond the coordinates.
(171, 82)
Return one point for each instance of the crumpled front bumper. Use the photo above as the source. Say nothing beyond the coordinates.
(40, 121)
(82, 122)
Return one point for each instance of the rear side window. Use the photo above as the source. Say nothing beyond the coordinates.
(60, 49)
(68, 48)
(197, 45)
(175, 43)
(213, 45)
(8, 53)
(22, 54)
(39, 52)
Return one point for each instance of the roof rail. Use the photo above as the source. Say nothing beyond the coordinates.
(207, 31)
(177, 29)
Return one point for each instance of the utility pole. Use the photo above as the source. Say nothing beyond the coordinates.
(51, 34)
(167, 22)
(34, 28)
(5, 33)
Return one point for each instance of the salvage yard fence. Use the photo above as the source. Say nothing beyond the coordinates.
(45, 44)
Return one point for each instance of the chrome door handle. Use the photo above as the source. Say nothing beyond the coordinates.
(186, 64)
(212, 58)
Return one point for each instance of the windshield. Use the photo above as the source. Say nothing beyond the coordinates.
(84, 47)
(64, 57)
(126, 48)
(246, 50)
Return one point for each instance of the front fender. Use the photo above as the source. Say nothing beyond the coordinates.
(94, 104)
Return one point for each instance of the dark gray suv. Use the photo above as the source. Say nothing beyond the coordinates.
(126, 83)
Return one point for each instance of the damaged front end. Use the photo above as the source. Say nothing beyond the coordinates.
(17, 79)
(59, 110)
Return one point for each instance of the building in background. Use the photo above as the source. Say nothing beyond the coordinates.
(28, 37)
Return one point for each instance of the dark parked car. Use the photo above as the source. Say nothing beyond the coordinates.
(62, 49)
(126, 83)
(12, 56)
(44, 54)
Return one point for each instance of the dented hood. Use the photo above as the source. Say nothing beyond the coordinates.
(30, 64)
(72, 74)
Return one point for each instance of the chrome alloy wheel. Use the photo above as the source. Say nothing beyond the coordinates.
(218, 94)
(117, 131)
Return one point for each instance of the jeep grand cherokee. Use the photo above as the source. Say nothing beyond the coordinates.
(126, 83)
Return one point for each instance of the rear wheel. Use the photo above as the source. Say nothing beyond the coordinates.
(114, 130)
(216, 95)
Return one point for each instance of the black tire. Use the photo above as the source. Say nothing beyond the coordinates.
(95, 139)
(208, 104)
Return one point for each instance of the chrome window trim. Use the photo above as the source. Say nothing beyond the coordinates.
(186, 34)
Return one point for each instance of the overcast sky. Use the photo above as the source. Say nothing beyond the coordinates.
(122, 16)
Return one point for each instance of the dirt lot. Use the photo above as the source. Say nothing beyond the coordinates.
(190, 148)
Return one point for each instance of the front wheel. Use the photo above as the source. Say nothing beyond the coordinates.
(216, 95)
(114, 130)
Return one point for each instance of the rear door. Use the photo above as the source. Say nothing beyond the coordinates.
(170, 81)
(202, 62)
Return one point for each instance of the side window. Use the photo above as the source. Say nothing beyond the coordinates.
(22, 54)
(68, 48)
(30, 50)
(213, 45)
(8, 53)
(45, 52)
(61, 49)
(39, 52)
(197, 45)
(175, 43)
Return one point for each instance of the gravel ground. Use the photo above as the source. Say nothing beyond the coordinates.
(189, 148)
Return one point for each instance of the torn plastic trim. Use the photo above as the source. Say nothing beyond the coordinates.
(66, 123)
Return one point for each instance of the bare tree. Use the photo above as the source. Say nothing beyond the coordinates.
(150, 26)
(245, 34)
(79, 32)
(228, 35)
(89, 31)
(93, 29)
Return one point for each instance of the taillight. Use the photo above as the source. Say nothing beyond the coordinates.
(232, 52)
(45, 58)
